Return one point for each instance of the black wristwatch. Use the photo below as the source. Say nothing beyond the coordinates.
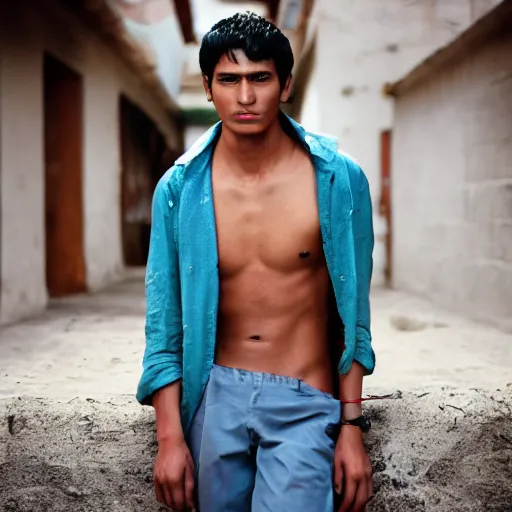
(363, 422)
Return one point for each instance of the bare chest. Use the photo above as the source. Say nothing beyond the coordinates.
(273, 223)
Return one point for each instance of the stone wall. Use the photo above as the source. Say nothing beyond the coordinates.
(452, 186)
(359, 47)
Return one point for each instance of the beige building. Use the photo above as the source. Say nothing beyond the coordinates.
(352, 48)
(163, 28)
(452, 173)
(86, 128)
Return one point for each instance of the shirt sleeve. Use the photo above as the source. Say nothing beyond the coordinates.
(162, 362)
(364, 241)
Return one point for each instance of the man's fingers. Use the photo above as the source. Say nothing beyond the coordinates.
(178, 495)
(166, 491)
(338, 477)
(158, 492)
(361, 497)
(189, 487)
(349, 494)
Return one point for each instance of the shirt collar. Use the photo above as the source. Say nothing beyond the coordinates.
(321, 146)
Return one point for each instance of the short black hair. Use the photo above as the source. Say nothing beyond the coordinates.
(257, 37)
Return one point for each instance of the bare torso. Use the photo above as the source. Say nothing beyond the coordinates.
(273, 277)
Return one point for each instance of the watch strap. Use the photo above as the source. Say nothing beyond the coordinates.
(362, 422)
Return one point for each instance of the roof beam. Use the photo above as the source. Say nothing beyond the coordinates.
(184, 13)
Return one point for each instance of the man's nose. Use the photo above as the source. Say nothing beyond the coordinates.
(246, 94)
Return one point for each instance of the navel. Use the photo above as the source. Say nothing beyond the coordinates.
(255, 337)
(304, 254)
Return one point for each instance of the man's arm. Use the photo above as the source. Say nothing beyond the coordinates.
(351, 387)
(162, 363)
(174, 467)
(352, 468)
(166, 402)
(363, 242)
(160, 384)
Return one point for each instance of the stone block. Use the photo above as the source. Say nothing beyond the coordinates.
(502, 240)
(488, 287)
(489, 202)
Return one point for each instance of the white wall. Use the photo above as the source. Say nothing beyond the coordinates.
(452, 188)
(208, 12)
(25, 34)
(192, 133)
(22, 264)
(195, 99)
(155, 25)
(102, 176)
(361, 45)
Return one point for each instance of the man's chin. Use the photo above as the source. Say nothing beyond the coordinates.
(250, 128)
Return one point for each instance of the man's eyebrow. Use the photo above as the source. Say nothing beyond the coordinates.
(253, 73)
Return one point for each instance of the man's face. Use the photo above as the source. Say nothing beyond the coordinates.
(246, 94)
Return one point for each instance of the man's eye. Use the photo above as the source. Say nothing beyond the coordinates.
(228, 79)
(261, 78)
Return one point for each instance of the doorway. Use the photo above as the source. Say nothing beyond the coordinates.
(144, 158)
(385, 199)
(63, 121)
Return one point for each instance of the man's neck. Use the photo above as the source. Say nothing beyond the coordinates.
(252, 155)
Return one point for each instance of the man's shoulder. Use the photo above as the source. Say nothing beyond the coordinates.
(327, 146)
(351, 166)
(339, 162)
(172, 180)
(349, 160)
(199, 146)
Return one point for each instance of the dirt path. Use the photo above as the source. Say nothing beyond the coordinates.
(73, 438)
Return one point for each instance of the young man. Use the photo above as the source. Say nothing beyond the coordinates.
(257, 300)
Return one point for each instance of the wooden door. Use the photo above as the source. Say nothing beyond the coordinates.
(63, 121)
(385, 199)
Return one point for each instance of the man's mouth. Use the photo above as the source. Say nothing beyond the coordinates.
(245, 116)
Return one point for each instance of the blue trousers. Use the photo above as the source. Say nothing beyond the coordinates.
(263, 442)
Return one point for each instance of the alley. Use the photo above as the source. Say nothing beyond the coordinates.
(73, 433)
(92, 346)
(99, 98)
(83, 346)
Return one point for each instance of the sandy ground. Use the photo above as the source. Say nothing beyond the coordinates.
(73, 438)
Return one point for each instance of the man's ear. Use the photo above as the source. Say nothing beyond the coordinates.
(287, 90)
(207, 89)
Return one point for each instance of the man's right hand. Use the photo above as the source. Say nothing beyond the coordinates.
(174, 475)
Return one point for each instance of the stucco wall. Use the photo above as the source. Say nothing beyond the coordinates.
(23, 281)
(208, 12)
(155, 25)
(452, 186)
(28, 30)
(360, 46)
(192, 133)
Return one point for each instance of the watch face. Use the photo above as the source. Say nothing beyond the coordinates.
(366, 424)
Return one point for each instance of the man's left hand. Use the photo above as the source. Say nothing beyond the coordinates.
(352, 470)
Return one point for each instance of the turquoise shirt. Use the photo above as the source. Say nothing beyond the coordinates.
(182, 280)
